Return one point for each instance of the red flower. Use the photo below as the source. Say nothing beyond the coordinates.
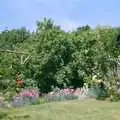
(20, 82)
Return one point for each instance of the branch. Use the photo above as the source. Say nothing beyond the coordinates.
(14, 52)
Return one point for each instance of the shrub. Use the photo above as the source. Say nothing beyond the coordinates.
(98, 90)
(3, 103)
(114, 95)
(4, 84)
(30, 83)
(60, 95)
(50, 98)
(82, 93)
(66, 94)
(25, 97)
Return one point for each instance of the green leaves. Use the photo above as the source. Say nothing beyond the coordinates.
(59, 58)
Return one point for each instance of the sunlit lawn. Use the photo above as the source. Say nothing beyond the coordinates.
(72, 110)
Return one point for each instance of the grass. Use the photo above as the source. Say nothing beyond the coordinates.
(72, 110)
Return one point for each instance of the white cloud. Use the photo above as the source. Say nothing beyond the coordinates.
(66, 24)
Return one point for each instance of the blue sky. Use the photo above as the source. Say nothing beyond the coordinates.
(69, 14)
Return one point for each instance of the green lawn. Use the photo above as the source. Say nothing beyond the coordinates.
(72, 110)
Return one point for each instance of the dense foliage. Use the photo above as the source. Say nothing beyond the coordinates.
(51, 57)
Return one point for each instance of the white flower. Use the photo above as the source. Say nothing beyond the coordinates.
(94, 77)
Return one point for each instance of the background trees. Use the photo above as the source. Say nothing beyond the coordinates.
(53, 57)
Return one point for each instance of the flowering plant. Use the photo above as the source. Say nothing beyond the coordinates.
(67, 94)
(26, 96)
(20, 82)
(29, 93)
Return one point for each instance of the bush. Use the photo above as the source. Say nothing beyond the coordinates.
(66, 94)
(82, 93)
(98, 90)
(4, 84)
(3, 102)
(98, 93)
(25, 97)
(114, 95)
(50, 98)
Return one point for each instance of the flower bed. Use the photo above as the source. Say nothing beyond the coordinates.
(25, 97)
(67, 94)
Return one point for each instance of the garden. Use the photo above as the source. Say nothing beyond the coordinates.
(51, 74)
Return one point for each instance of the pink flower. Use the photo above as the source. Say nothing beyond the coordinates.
(29, 93)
